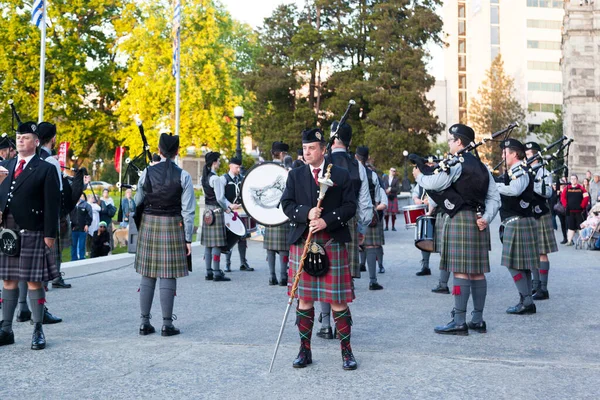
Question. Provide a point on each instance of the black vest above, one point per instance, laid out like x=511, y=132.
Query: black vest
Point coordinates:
x=539, y=203
x=210, y=196
x=346, y=161
x=370, y=173
x=163, y=189
x=519, y=206
x=232, y=190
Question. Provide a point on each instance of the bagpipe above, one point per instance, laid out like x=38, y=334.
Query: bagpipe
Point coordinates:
x=335, y=126
x=527, y=166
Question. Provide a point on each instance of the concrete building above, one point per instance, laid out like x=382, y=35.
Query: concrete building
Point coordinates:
x=581, y=71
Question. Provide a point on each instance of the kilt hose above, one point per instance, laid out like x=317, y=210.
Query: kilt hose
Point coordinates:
x=546, y=238
x=520, y=249
x=336, y=286
x=464, y=248
x=35, y=262
x=438, y=232
x=161, y=251
x=392, y=208
x=352, y=248
x=276, y=237
x=374, y=235
x=214, y=235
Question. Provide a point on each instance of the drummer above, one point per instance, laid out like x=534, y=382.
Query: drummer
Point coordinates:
x=420, y=198
x=232, y=182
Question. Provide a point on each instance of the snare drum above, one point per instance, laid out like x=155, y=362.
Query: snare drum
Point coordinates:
x=235, y=231
x=425, y=233
x=411, y=213
x=249, y=223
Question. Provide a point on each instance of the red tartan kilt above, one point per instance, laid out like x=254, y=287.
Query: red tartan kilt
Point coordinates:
x=392, y=208
x=336, y=286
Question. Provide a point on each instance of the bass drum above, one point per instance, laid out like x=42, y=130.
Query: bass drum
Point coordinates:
x=261, y=192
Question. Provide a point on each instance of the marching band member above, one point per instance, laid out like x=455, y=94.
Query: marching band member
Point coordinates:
x=418, y=195
x=392, y=187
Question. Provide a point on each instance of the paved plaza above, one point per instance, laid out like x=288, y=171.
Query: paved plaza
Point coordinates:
x=229, y=331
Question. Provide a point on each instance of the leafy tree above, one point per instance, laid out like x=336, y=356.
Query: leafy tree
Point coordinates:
x=551, y=129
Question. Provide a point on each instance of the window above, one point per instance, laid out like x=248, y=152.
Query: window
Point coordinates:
x=532, y=3
x=462, y=99
x=545, y=3
x=494, y=15
x=541, y=107
x=461, y=10
x=495, y=35
x=462, y=63
x=544, y=87
x=544, y=24
x=462, y=81
x=494, y=1
x=462, y=28
x=544, y=45
x=543, y=65
x=462, y=46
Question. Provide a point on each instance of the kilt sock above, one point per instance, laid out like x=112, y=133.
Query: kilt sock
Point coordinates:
x=242, y=246
x=324, y=316
x=168, y=287
x=228, y=258
x=23, y=296
x=461, y=292
x=529, y=282
x=38, y=299
x=208, y=260
x=387, y=221
x=444, y=278
x=520, y=278
x=216, y=261
x=362, y=256
x=536, y=277
x=284, y=263
x=10, y=298
x=393, y=221
x=305, y=320
x=379, y=251
x=478, y=292
x=544, y=269
x=425, y=255
x=343, y=324
x=147, y=286
x=372, y=264
x=271, y=262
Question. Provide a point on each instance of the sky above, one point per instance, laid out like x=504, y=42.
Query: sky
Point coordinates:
x=253, y=12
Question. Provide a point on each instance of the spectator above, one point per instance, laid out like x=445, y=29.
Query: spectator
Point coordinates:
x=574, y=198
x=562, y=217
x=93, y=200
x=107, y=212
x=553, y=200
x=595, y=189
x=128, y=207
x=81, y=219
x=100, y=241
x=586, y=186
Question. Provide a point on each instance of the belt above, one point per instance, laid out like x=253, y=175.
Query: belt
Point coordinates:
x=509, y=220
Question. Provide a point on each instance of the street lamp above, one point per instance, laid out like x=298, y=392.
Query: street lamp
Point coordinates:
x=238, y=113
x=405, y=182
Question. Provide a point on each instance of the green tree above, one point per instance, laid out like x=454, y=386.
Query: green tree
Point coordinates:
x=551, y=129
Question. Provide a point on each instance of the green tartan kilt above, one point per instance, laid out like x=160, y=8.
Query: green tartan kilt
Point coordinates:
x=464, y=248
x=352, y=247
x=215, y=234
x=547, y=240
x=374, y=235
x=520, y=249
x=161, y=250
x=438, y=232
x=276, y=237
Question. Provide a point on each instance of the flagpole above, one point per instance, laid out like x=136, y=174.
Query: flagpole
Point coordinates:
x=177, y=81
x=121, y=154
x=42, y=65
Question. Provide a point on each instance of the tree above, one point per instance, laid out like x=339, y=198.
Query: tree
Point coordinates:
x=551, y=129
x=494, y=108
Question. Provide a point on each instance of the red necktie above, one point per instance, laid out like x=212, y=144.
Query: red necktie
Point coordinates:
x=316, y=173
x=19, y=169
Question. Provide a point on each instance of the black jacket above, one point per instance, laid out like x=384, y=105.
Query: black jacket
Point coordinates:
x=301, y=194
x=34, y=197
x=81, y=216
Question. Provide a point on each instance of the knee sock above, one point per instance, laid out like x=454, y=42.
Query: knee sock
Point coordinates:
x=478, y=292
x=363, y=257
x=38, y=299
x=425, y=255
x=387, y=221
x=529, y=282
x=305, y=320
x=284, y=260
x=393, y=221
x=216, y=261
x=343, y=324
x=208, y=260
x=520, y=278
x=379, y=252
x=147, y=286
x=372, y=264
x=461, y=293
x=444, y=277
x=271, y=262
x=242, y=246
x=228, y=259
x=544, y=270
x=536, y=277
x=325, y=313
x=168, y=287
x=10, y=298
x=23, y=296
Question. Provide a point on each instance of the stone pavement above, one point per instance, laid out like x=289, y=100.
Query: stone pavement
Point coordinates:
x=229, y=331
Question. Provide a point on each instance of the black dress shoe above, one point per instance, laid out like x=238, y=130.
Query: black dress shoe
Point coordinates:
x=273, y=281
x=424, y=272
x=6, y=338
x=325, y=333
x=363, y=268
x=521, y=309
x=169, y=331
x=283, y=282
x=394, y=229
x=208, y=277
x=24, y=316
x=304, y=358
x=440, y=289
x=244, y=267
x=227, y=268
x=480, y=327
x=221, y=278
x=375, y=286
x=564, y=241
x=386, y=229
x=452, y=329
x=348, y=361
x=146, y=329
x=59, y=283
x=541, y=294
x=49, y=318
x=38, y=340
x=381, y=270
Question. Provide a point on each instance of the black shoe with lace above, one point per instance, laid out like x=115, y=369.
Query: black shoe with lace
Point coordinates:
x=541, y=294
x=273, y=281
x=375, y=286
x=6, y=338
x=208, y=277
x=245, y=267
x=381, y=269
x=452, y=328
x=59, y=283
x=304, y=358
x=168, y=329
x=38, y=340
x=146, y=328
x=424, y=272
x=325, y=333
x=521, y=309
x=24, y=316
x=283, y=282
x=49, y=318
x=348, y=361
x=440, y=289
x=480, y=327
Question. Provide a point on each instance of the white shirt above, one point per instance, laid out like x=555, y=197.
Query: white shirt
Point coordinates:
x=390, y=179
x=321, y=167
x=27, y=159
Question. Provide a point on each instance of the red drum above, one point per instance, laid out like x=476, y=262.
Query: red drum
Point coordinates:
x=411, y=213
x=249, y=223
x=425, y=233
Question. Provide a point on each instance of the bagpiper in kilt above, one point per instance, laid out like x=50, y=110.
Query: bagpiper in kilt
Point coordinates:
x=374, y=238
x=275, y=240
x=213, y=235
x=165, y=196
x=391, y=185
x=518, y=232
x=30, y=206
x=468, y=196
x=357, y=225
x=542, y=188
x=330, y=226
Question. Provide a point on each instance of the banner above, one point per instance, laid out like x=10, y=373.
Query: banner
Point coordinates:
x=63, y=150
x=119, y=151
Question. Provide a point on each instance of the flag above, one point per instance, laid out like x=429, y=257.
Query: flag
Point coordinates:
x=176, y=28
x=119, y=151
x=37, y=12
x=63, y=150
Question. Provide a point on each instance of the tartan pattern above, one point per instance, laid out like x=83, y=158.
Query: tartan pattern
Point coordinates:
x=36, y=261
x=520, y=249
x=276, y=237
x=215, y=234
x=438, y=232
x=336, y=286
x=374, y=235
x=392, y=208
x=547, y=240
x=161, y=251
x=464, y=248
x=352, y=248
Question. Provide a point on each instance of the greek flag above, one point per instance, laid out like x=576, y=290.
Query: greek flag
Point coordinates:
x=176, y=27
x=37, y=12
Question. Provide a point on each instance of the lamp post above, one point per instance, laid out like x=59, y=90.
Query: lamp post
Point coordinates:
x=238, y=113
x=405, y=182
